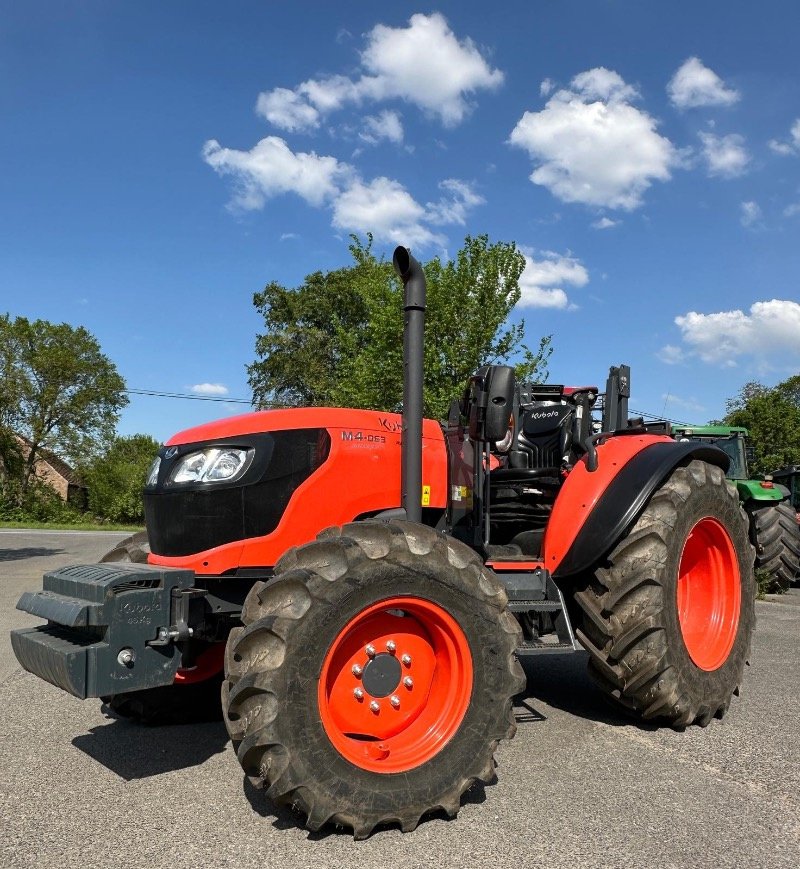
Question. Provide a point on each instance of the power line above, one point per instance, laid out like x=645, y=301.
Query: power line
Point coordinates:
x=159, y=394
x=646, y=413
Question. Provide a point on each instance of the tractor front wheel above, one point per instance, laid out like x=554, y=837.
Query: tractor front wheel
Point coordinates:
x=668, y=620
x=373, y=677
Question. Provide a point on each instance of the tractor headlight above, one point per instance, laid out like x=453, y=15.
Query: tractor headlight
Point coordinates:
x=212, y=465
x=152, y=474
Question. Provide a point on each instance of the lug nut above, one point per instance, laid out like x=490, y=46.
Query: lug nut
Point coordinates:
x=391, y=646
x=375, y=706
x=406, y=659
x=370, y=650
x=395, y=701
x=358, y=694
x=408, y=682
x=357, y=671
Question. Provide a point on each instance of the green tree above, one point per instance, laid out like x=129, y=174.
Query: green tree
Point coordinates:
x=58, y=392
x=116, y=478
x=772, y=416
x=337, y=339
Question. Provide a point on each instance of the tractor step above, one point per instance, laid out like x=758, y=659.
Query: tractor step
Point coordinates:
x=531, y=647
x=107, y=631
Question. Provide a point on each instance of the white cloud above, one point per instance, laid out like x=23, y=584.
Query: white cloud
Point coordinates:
x=424, y=64
x=458, y=199
x=546, y=87
x=792, y=210
x=385, y=208
x=605, y=223
x=769, y=329
x=541, y=279
x=671, y=354
x=209, y=389
x=287, y=109
x=694, y=85
x=592, y=146
x=603, y=84
x=427, y=65
x=387, y=125
x=381, y=206
x=751, y=213
x=790, y=147
x=271, y=168
x=725, y=156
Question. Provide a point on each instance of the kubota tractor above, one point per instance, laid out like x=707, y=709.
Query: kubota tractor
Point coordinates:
x=369, y=674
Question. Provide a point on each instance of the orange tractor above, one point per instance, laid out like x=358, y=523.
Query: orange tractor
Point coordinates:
x=367, y=676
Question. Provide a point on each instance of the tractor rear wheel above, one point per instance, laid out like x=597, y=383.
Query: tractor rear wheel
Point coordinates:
x=668, y=621
x=187, y=701
x=373, y=677
x=776, y=536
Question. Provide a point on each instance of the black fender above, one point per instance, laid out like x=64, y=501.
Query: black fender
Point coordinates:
x=621, y=502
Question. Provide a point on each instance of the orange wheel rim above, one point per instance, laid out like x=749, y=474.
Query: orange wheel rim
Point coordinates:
x=395, y=684
x=709, y=594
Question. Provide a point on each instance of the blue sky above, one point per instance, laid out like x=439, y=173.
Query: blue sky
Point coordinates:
x=163, y=161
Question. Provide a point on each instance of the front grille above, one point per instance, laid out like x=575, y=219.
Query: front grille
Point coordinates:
x=182, y=520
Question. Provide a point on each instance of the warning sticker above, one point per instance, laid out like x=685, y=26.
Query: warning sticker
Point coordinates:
x=426, y=496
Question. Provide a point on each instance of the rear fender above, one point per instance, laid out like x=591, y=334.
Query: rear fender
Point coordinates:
x=594, y=509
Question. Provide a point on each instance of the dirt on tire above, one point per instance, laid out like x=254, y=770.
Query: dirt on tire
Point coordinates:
x=629, y=619
x=271, y=697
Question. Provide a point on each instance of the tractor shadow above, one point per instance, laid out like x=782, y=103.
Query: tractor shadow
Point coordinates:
x=134, y=751
x=27, y=552
x=562, y=682
x=283, y=818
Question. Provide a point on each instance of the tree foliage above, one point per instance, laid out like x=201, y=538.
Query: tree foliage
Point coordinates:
x=116, y=478
x=772, y=416
x=337, y=339
x=57, y=391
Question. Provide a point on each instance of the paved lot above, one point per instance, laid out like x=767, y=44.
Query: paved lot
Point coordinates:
x=579, y=786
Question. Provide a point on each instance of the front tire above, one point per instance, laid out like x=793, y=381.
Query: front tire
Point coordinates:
x=776, y=536
x=373, y=678
x=668, y=621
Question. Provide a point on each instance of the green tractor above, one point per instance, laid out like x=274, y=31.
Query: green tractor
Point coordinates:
x=774, y=529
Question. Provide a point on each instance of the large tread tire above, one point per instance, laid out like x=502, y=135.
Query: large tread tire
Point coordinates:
x=271, y=699
x=133, y=549
x=776, y=536
x=630, y=622
x=169, y=704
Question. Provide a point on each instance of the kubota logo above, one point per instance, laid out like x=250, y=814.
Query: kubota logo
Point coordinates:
x=544, y=414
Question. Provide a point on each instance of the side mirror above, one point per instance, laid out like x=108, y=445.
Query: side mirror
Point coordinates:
x=491, y=402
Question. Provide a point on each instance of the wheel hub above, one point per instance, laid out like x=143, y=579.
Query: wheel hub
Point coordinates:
x=381, y=675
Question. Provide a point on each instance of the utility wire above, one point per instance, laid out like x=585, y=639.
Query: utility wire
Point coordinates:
x=225, y=400
x=190, y=397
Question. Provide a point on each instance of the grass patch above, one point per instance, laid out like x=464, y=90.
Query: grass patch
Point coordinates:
x=72, y=526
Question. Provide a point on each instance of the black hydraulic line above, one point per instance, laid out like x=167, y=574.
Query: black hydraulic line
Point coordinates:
x=413, y=278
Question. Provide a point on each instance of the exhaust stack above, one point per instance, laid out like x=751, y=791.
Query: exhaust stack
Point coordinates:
x=413, y=278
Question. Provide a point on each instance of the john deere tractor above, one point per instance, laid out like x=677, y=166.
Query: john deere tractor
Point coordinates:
x=369, y=673
x=774, y=530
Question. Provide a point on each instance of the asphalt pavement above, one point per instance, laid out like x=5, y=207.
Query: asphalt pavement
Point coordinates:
x=579, y=786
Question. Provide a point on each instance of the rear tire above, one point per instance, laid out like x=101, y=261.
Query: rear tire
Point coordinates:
x=295, y=670
x=776, y=536
x=668, y=621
